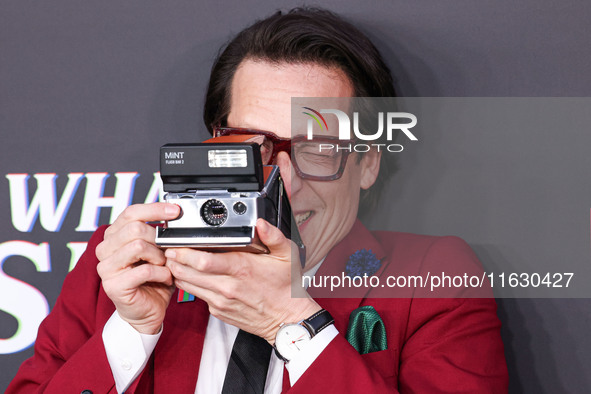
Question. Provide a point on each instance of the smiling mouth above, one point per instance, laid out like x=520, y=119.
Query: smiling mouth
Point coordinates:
x=300, y=218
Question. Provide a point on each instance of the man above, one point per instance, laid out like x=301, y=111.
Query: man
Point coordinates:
x=120, y=330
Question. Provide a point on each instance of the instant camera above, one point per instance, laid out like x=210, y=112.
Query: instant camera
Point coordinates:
x=222, y=188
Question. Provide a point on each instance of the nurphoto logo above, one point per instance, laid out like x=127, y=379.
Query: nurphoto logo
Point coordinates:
x=394, y=122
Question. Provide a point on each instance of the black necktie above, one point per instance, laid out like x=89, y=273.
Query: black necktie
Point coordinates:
x=248, y=365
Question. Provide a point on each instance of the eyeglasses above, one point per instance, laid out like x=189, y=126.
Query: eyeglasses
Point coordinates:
x=322, y=159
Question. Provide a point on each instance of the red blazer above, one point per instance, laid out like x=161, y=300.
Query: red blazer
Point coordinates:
x=434, y=345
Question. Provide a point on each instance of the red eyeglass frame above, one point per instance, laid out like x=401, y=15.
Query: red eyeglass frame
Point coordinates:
x=284, y=145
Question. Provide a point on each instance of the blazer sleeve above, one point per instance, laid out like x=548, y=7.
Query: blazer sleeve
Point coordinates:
x=457, y=350
x=444, y=345
x=69, y=352
x=454, y=344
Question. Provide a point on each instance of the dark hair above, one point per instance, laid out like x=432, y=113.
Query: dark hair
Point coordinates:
x=303, y=35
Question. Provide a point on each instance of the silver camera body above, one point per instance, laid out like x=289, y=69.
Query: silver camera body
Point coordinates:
x=222, y=189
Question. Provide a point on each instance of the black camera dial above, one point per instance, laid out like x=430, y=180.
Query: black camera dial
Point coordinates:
x=239, y=208
x=214, y=212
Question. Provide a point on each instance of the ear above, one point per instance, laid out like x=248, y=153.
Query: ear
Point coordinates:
x=370, y=167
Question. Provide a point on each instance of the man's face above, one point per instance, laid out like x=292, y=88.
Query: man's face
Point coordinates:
x=261, y=99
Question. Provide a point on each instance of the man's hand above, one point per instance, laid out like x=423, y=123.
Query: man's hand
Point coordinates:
x=249, y=291
x=132, y=266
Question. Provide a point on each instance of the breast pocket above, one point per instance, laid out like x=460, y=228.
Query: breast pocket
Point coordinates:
x=385, y=362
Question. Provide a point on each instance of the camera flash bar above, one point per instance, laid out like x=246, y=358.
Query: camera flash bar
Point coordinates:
x=207, y=166
x=227, y=158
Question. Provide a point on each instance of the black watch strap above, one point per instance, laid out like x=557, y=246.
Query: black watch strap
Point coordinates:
x=318, y=322
x=314, y=324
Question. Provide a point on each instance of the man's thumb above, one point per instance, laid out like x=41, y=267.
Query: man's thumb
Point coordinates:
x=272, y=237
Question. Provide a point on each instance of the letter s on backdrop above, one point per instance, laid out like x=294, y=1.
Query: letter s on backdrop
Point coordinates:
x=21, y=300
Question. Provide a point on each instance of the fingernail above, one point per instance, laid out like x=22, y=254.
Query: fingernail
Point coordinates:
x=171, y=209
x=171, y=254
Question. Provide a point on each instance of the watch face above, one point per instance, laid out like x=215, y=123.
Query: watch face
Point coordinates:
x=291, y=339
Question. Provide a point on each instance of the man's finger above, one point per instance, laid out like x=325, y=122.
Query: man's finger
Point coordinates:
x=127, y=234
x=145, y=213
x=137, y=276
x=137, y=250
x=204, y=262
x=220, y=284
x=217, y=303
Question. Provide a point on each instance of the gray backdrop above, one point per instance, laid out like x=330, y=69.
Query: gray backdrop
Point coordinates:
x=97, y=87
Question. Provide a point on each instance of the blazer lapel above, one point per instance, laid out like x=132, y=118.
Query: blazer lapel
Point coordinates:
x=178, y=353
x=334, y=265
x=341, y=300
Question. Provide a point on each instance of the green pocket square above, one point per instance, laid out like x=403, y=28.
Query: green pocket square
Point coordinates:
x=366, y=331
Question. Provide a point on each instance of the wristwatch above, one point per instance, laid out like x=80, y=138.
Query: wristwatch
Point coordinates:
x=292, y=338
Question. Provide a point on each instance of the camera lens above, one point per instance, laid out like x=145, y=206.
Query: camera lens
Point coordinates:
x=214, y=212
x=239, y=208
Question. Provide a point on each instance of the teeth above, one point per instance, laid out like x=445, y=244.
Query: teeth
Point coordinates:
x=302, y=217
